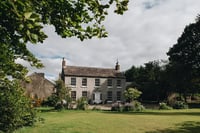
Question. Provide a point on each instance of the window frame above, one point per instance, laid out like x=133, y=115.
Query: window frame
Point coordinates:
x=119, y=83
x=73, y=81
x=73, y=95
x=119, y=95
x=110, y=82
x=84, y=82
x=109, y=95
x=85, y=96
x=97, y=82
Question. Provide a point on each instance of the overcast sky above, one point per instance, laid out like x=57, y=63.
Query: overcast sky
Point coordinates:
x=144, y=33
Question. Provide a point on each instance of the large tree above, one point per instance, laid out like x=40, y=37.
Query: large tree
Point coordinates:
x=184, y=59
x=22, y=22
x=150, y=79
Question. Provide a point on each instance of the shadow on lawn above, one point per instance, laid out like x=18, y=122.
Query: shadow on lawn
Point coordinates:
x=186, y=127
x=162, y=113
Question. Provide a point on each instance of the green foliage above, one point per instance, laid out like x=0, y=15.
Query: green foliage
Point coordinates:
x=164, y=106
x=82, y=104
x=128, y=107
x=15, y=107
x=117, y=107
x=61, y=98
x=50, y=101
x=151, y=79
x=180, y=105
x=137, y=106
x=184, y=60
x=133, y=106
x=149, y=121
x=131, y=94
x=22, y=22
x=95, y=108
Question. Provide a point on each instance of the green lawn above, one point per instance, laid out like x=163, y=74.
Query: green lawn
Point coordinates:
x=149, y=121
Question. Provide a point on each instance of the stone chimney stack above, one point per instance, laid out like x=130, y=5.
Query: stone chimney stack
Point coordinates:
x=117, y=66
x=62, y=75
x=63, y=63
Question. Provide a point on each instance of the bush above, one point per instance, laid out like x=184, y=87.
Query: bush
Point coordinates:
x=82, y=104
x=128, y=107
x=133, y=106
x=50, y=101
x=117, y=107
x=96, y=108
x=164, y=106
x=15, y=107
x=180, y=105
x=137, y=106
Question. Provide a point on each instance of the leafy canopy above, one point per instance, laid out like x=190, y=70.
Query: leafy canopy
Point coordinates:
x=132, y=94
x=22, y=21
x=15, y=108
x=184, y=59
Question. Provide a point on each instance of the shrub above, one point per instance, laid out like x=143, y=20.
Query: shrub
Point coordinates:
x=180, y=105
x=82, y=104
x=95, y=108
x=50, y=101
x=15, y=107
x=132, y=94
x=133, y=106
x=128, y=107
x=137, y=106
x=164, y=106
x=117, y=107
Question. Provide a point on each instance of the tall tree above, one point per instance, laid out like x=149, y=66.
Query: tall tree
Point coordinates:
x=184, y=59
x=62, y=94
x=150, y=79
x=22, y=21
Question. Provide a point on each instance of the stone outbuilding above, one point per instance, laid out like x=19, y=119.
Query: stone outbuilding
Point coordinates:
x=38, y=87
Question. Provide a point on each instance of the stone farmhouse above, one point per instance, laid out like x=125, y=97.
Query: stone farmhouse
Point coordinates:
x=98, y=85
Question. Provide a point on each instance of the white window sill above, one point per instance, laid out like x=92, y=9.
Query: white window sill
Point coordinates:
x=83, y=86
x=96, y=86
x=109, y=101
x=72, y=86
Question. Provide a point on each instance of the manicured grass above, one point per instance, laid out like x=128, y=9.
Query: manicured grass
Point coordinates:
x=149, y=121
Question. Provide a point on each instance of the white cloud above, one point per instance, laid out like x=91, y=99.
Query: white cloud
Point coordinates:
x=142, y=34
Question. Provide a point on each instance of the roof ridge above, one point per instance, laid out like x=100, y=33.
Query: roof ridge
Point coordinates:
x=91, y=67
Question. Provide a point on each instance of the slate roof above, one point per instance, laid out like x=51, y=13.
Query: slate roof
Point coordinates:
x=92, y=72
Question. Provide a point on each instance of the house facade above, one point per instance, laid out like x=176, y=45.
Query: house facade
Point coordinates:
x=98, y=85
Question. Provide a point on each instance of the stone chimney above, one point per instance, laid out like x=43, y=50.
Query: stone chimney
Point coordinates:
x=63, y=63
x=117, y=66
x=62, y=75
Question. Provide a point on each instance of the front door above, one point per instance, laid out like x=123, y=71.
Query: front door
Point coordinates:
x=97, y=97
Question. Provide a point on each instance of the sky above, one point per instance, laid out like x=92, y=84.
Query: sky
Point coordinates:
x=144, y=33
